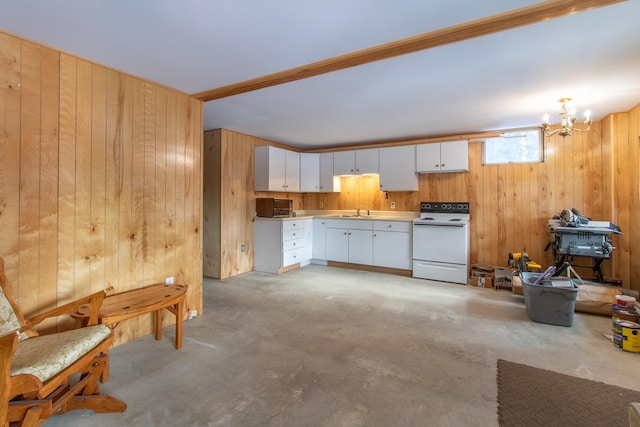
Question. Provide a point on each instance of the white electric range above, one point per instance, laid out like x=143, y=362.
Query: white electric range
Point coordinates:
x=441, y=242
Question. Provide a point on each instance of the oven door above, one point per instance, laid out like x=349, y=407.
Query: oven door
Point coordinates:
x=441, y=242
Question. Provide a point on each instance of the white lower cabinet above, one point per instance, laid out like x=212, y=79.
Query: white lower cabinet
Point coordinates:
x=392, y=244
x=361, y=246
x=280, y=243
x=369, y=242
x=349, y=241
x=337, y=244
x=319, y=251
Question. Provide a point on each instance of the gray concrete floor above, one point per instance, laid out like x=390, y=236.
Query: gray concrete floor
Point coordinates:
x=323, y=346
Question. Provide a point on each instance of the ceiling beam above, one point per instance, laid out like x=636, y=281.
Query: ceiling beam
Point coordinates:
x=504, y=21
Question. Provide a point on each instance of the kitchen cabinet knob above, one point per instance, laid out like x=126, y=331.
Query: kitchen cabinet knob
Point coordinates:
x=294, y=244
x=442, y=165
x=345, y=233
x=389, y=225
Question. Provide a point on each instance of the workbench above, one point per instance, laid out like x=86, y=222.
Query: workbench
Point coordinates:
x=586, y=242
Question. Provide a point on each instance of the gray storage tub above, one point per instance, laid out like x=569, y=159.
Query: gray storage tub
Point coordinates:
x=551, y=302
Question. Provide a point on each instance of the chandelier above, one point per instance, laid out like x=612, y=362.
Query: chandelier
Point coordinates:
x=568, y=120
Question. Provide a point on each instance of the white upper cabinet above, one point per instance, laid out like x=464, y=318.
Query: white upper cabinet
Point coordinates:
x=442, y=157
x=292, y=171
x=328, y=181
x=316, y=173
x=356, y=162
x=309, y=172
x=398, y=168
x=276, y=169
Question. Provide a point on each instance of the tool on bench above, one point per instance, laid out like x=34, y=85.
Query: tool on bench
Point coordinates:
x=521, y=261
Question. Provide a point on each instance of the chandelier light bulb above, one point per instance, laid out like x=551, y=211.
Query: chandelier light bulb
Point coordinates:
x=567, y=122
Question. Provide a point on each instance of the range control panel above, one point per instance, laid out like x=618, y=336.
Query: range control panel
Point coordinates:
x=444, y=207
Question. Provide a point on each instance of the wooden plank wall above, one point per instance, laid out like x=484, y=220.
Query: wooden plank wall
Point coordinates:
x=235, y=199
x=100, y=181
x=594, y=172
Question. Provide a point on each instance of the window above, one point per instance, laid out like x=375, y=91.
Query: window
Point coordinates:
x=517, y=146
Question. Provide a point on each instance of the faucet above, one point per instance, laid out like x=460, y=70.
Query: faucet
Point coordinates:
x=357, y=211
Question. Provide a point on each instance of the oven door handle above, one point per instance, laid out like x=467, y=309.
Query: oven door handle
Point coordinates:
x=417, y=224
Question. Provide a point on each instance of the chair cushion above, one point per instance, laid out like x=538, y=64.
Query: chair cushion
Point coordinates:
x=8, y=319
x=45, y=356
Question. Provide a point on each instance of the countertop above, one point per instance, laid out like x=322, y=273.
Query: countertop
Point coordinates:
x=350, y=214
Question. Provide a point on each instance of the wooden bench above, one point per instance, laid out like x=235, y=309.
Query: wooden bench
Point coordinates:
x=126, y=305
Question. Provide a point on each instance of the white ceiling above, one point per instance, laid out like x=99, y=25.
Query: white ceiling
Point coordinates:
x=500, y=81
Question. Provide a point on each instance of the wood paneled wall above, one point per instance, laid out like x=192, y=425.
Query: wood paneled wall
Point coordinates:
x=100, y=181
x=594, y=172
x=229, y=169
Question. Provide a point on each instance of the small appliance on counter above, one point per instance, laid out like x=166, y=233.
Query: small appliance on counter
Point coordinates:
x=274, y=208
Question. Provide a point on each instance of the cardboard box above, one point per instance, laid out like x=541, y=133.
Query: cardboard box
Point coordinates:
x=482, y=282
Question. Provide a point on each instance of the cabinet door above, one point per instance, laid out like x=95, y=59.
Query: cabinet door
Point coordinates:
x=307, y=252
x=337, y=244
x=328, y=181
x=454, y=156
x=319, y=236
x=398, y=169
x=269, y=169
x=344, y=162
x=392, y=249
x=310, y=172
x=428, y=157
x=292, y=171
x=361, y=247
x=367, y=161
x=267, y=241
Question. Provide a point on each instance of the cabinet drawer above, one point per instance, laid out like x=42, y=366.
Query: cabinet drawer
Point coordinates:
x=288, y=245
x=292, y=225
x=353, y=224
x=296, y=233
x=404, y=226
x=291, y=257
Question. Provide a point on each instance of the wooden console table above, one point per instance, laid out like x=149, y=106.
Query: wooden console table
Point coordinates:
x=126, y=305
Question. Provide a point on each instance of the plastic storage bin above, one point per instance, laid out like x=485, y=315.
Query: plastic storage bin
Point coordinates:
x=547, y=303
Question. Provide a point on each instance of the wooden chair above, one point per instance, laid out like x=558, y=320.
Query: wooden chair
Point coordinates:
x=37, y=372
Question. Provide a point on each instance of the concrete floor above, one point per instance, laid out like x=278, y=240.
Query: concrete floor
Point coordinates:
x=323, y=346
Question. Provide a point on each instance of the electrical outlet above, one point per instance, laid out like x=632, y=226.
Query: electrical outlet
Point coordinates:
x=393, y=205
x=321, y=205
x=168, y=281
x=242, y=248
x=192, y=314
